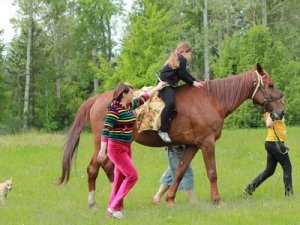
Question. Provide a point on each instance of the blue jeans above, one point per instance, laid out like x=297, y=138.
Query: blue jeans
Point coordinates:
x=174, y=154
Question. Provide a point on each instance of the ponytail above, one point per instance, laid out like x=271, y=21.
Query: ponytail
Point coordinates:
x=120, y=90
x=173, y=60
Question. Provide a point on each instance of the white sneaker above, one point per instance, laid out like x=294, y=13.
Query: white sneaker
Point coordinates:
x=118, y=215
x=164, y=136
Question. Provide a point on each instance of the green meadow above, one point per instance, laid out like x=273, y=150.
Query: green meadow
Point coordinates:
x=33, y=160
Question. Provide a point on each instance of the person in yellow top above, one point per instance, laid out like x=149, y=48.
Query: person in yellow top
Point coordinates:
x=276, y=133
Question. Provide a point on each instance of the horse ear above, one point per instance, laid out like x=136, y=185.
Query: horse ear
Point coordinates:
x=259, y=69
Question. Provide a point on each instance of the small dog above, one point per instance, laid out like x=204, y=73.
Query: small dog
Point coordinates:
x=5, y=187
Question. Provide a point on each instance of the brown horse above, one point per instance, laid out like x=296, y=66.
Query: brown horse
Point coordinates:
x=197, y=124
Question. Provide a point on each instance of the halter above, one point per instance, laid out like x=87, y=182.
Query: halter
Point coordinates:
x=259, y=85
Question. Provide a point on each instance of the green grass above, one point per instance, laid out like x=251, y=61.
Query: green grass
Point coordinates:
x=34, y=161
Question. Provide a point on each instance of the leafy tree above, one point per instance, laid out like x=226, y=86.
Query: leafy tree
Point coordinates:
x=283, y=20
x=2, y=88
x=239, y=54
x=149, y=40
x=226, y=63
x=57, y=50
x=63, y=40
x=94, y=31
x=15, y=64
x=291, y=91
x=72, y=52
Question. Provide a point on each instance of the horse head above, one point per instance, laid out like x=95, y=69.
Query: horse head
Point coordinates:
x=266, y=95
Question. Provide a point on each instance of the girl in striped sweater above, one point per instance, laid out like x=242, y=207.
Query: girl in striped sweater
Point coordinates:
x=117, y=137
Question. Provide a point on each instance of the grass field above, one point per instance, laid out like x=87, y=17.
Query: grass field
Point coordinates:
x=33, y=160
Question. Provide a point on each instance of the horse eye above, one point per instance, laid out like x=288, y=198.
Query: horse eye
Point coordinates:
x=271, y=85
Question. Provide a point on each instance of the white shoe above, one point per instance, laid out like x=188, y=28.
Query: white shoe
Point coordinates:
x=164, y=136
x=118, y=215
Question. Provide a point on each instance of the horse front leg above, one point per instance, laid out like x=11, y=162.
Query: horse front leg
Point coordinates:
x=186, y=159
x=208, y=152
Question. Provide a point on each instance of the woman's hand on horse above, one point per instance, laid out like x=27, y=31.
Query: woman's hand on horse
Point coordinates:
x=198, y=84
x=160, y=85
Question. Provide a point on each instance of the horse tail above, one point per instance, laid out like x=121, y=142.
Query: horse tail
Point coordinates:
x=71, y=145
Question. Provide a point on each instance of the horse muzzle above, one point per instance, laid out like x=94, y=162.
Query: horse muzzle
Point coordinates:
x=277, y=114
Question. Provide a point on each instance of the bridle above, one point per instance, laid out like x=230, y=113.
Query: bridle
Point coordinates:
x=259, y=86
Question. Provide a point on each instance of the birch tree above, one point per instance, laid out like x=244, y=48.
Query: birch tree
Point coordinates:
x=28, y=64
x=264, y=13
x=2, y=90
x=206, y=44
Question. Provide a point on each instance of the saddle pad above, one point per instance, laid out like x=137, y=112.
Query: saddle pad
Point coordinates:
x=148, y=114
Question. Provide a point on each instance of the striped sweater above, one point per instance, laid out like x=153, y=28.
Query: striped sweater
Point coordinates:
x=120, y=120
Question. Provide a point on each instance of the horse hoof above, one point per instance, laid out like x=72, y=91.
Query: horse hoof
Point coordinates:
x=94, y=207
x=170, y=204
x=219, y=203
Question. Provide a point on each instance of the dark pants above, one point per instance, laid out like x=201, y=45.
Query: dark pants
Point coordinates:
x=167, y=94
x=274, y=157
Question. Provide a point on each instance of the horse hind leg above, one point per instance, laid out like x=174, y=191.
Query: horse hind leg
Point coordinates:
x=108, y=168
x=92, y=171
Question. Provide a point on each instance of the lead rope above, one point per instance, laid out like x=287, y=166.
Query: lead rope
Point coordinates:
x=277, y=144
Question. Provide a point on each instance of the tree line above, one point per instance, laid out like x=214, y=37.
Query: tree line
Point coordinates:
x=65, y=51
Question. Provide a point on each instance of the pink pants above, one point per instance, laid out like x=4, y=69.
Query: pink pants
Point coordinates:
x=125, y=174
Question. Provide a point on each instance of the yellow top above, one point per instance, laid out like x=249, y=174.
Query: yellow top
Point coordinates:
x=279, y=127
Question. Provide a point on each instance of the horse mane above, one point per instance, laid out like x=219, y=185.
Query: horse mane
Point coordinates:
x=232, y=90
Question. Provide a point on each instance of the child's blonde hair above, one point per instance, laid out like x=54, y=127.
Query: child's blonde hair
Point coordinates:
x=173, y=61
